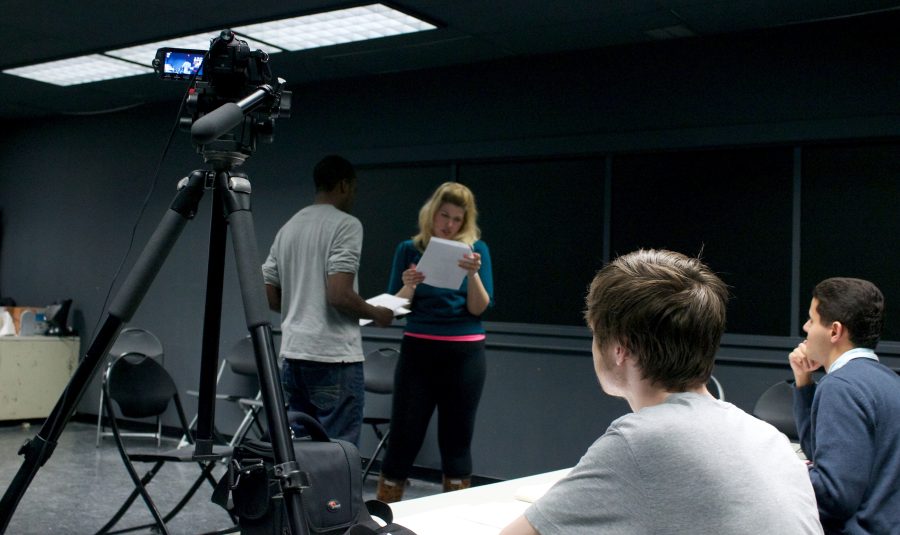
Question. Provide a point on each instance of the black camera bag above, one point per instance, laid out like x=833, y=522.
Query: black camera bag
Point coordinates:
x=332, y=502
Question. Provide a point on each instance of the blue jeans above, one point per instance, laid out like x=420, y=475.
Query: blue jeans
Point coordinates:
x=332, y=393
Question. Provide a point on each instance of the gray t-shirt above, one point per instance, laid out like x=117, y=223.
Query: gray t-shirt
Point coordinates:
x=692, y=464
x=317, y=241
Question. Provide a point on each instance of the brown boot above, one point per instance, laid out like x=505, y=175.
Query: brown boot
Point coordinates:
x=456, y=483
x=390, y=491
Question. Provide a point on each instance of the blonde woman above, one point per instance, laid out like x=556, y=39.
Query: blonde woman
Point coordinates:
x=442, y=362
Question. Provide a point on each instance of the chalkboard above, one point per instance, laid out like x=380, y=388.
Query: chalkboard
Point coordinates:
x=850, y=225
x=732, y=206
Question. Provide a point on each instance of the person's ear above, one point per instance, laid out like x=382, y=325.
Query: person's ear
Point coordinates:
x=837, y=331
x=620, y=353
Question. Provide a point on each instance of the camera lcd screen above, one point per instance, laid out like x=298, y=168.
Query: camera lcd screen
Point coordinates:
x=182, y=64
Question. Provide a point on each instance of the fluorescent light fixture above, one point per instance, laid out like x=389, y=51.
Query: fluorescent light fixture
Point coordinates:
x=82, y=69
x=335, y=27
x=144, y=54
x=297, y=33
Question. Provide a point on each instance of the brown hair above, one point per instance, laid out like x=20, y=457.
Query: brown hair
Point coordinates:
x=856, y=303
x=666, y=308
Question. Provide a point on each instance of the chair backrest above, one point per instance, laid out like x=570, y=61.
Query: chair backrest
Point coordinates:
x=776, y=406
x=241, y=358
x=139, y=385
x=379, y=370
x=715, y=388
x=137, y=340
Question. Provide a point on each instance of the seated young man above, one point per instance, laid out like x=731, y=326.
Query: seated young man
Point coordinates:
x=848, y=421
x=682, y=462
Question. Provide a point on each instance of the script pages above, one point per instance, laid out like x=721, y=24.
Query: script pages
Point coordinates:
x=440, y=263
x=397, y=304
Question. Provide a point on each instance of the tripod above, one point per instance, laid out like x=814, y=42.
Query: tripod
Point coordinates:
x=231, y=207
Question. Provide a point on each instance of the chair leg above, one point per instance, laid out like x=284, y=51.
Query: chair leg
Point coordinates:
x=259, y=428
x=375, y=455
x=100, y=420
x=130, y=500
x=138, y=481
x=205, y=476
x=244, y=427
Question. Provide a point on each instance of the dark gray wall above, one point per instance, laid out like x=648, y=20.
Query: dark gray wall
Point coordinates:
x=72, y=188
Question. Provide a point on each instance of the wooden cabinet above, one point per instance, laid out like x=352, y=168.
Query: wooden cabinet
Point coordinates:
x=34, y=370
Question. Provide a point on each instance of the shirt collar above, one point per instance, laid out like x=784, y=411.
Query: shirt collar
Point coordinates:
x=855, y=353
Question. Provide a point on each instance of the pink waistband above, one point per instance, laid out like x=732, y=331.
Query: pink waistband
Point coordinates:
x=458, y=338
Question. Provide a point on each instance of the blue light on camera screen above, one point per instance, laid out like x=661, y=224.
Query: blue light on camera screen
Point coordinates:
x=183, y=64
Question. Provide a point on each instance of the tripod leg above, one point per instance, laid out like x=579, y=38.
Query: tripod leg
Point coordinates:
x=212, y=327
x=37, y=450
x=236, y=192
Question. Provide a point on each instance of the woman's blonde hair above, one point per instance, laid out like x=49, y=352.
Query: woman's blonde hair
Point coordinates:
x=456, y=194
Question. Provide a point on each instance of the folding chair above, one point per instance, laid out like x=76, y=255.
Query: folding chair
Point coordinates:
x=240, y=360
x=132, y=340
x=379, y=379
x=715, y=388
x=776, y=406
x=141, y=388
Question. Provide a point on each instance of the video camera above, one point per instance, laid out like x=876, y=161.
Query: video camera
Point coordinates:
x=233, y=86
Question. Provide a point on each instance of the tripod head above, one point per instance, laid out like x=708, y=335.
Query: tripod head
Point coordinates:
x=235, y=101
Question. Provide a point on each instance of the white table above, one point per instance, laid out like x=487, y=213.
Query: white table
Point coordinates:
x=483, y=510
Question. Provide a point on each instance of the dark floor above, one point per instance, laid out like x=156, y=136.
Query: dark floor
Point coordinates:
x=81, y=486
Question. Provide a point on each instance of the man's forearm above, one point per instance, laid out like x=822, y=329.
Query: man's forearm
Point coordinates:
x=342, y=296
x=273, y=295
x=350, y=303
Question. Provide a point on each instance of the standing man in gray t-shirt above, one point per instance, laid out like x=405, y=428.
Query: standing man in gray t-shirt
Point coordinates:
x=682, y=462
x=310, y=277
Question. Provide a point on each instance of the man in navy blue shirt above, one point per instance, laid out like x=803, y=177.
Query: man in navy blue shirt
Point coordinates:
x=848, y=422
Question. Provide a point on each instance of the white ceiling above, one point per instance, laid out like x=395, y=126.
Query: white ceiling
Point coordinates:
x=469, y=32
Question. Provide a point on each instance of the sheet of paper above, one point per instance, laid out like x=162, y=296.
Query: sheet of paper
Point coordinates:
x=397, y=304
x=440, y=263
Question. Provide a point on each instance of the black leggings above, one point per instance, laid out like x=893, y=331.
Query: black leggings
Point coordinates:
x=429, y=374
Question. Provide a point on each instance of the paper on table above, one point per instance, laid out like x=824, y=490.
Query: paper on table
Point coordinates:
x=397, y=304
x=440, y=263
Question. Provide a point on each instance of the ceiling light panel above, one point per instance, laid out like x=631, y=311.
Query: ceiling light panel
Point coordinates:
x=145, y=53
x=335, y=27
x=82, y=69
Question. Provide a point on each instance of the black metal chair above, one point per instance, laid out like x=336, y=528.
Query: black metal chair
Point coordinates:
x=776, y=406
x=715, y=388
x=140, y=387
x=240, y=360
x=379, y=379
x=132, y=340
